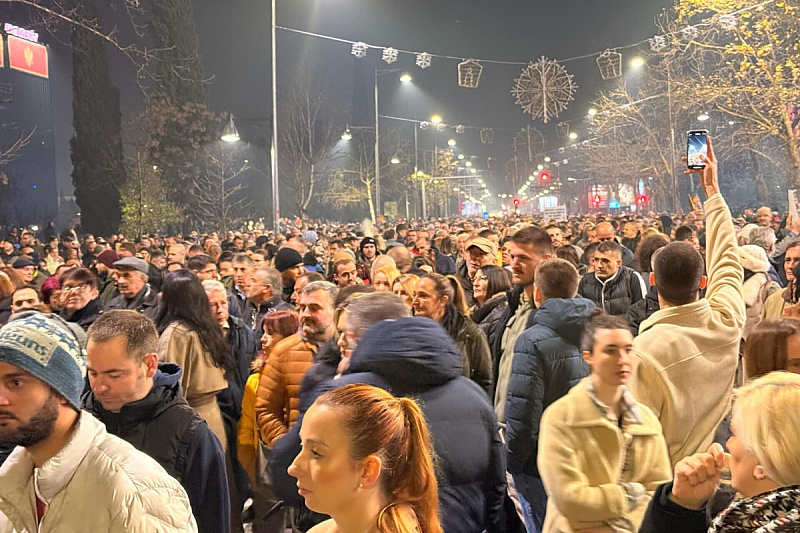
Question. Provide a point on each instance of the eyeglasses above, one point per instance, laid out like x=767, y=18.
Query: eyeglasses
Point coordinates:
x=75, y=288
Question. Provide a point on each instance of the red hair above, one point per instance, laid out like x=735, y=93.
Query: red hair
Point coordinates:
x=284, y=323
x=394, y=429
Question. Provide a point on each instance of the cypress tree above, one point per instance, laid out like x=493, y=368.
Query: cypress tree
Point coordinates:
x=96, y=148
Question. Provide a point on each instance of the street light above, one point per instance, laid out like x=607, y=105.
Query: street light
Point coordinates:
x=461, y=156
x=702, y=117
x=395, y=160
x=451, y=142
x=637, y=62
x=573, y=135
x=406, y=78
x=436, y=119
x=592, y=111
x=346, y=136
x=230, y=134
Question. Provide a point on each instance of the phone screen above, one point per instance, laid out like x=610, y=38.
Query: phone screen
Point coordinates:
x=697, y=146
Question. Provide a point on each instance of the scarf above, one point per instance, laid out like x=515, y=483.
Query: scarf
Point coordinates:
x=777, y=511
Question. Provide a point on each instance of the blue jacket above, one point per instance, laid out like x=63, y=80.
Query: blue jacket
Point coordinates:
x=423, y=362
x=547, y=363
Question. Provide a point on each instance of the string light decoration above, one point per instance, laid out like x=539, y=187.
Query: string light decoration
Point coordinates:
x=389, y=55
x=610, y=64
x=690, y=33
x=528, y=144
x=728, y=22
x=424, y=60
x=460, y=129
x=359, y=50
x=657, y=43
x=544, y=89
x=562, y=130
x=469, y=74
x=487, y=136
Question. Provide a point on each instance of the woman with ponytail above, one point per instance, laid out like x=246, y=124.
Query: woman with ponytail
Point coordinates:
x=367, y=461
x=442, y=299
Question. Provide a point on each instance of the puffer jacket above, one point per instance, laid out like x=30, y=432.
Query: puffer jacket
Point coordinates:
x=472, y=343
x=757, y=284
x=277, y=398
x=641, y=310
x=547, y=364
x=424, y=363
x=97, y=482
x=489, y=315
x=615, y=294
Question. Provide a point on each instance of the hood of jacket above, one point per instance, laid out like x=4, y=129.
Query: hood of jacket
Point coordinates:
x=413, y=350
x=165, y=392
x=753, y=258
x=566, y=316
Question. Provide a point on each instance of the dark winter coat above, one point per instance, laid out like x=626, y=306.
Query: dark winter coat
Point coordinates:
x=5, y=310
x=641, y=310
x=477, y=363
x=163, y=426
x=148, y=304
x=514, y=297
x=85, y=316
x=253, y=314
x=488, y=315
x=423, y=362
x=616, y=294
x=326, y=361
x=548, y=362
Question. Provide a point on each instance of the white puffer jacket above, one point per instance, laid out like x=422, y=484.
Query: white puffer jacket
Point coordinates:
x=96, y=483
x=758, y=286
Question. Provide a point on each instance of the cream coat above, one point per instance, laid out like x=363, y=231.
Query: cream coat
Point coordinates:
x=581, y=463
x=97, y=482
x=687, y=356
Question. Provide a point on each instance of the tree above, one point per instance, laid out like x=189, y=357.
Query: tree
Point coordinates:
x=744, y=66
x=219, y=200
x=96, y=148
x=145, y=207
x=309, y=133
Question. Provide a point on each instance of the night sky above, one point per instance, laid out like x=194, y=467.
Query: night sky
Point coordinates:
x=235, y=40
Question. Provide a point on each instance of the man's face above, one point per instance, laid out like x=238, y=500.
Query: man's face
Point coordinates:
x=423, y=246
x=790, y=261
x=26, y=273
x=258, y=260
x=556, y=236
x=461, y=242
x=606, y=264
x=764, y=217
x=411, y=236
x=610, y=357
x=369, y=251
x=91, y=244
x=604, y=232
x=209, y=272
x=477, y=258
x=301, y=282
x=524, y=260
x=24, y=300
x=238, y=242
x=346, y=274
x=334, y=248
x=241, y=274
x=25, y=239
x=592, y=235
x=257, y=291
x=159, y=262
x=225, y=269
x=629, y=231
x=129, y=282
x=115, y=378
x=316, y=315
x=176, y=254
x=28, y=407
x=291, y=275
x=346, y=341
x=218, y=301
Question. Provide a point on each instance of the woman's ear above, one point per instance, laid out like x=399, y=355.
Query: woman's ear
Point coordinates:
x=370, y=471
x=759, y=473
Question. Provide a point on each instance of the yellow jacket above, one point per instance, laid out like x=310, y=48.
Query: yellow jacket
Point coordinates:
x=247, y=430
x=687, y=356
x=580, y=460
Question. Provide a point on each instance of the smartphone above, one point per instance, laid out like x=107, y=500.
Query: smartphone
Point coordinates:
x=697, y=145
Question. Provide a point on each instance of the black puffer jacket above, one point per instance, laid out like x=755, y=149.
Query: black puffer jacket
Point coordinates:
x=616, y=294
x=488, y=316
x=514, y=297
x=547, y=364
x=423, y=362
x=641, y=310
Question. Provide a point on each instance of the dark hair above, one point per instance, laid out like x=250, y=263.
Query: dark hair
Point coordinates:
x=646, y=249
x=567, y=252
x=535, y=236
x=448, y=286
x=766, y=348
x=600, y=320
x=84, y=276
x=225, y=257
x=487, y=233
x=497, y=280
x=683, y=233
x=557, y=278
x=184, y=300
x=609, y=246
x=588, y=252
x=346, y=292
x=678, y=270
x=337, y=242
x=446, y=246
x=139, y=332
x=389, y=234
x=199, y=262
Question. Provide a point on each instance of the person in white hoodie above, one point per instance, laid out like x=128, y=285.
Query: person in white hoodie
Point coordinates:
x=67, y=473
x=757, y=284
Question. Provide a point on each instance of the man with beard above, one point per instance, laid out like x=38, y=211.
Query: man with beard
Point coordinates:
x=277, y=402
x=134, y=292
x=66, y=468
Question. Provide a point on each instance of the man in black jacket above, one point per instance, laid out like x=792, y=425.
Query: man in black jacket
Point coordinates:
x=612, y=286
x=140, y=401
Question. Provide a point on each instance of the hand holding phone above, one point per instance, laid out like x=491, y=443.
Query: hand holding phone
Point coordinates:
x=708, y=172
x=696, y=146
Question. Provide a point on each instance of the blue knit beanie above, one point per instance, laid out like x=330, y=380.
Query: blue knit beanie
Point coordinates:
x=47, y=347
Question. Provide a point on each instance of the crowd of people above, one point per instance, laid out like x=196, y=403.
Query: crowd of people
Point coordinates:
x=602, y=374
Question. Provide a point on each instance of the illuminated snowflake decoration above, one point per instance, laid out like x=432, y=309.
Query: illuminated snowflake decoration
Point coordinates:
x=389, y=55
x=544, y=89
x=360, y=50
x=690, y=33
x=728, y=22
x=424, y=125
x=460, y=129
x=561, y=150
x=441, y=127
x=424, y=60
x=657, y=43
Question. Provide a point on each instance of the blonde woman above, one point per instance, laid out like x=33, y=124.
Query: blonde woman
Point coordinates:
x=384, y=277
x=404, y=286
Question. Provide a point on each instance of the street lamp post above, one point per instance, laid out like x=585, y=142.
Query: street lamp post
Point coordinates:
x=276, y=204
x=379, y=205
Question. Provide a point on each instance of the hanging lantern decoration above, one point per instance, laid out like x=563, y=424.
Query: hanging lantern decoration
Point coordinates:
x=360, y=50
x=610, y=64
x=469, y=73
x=562, y=130
x=424, y=60
x=389, y=55
x=487, y=136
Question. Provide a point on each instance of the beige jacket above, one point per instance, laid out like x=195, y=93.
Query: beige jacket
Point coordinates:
x=97, y=482
x=581, y=463
x=774, y=305
x=201, y=380
x=687, y=356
